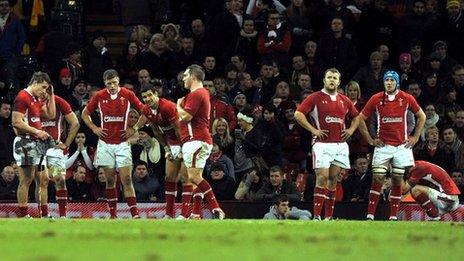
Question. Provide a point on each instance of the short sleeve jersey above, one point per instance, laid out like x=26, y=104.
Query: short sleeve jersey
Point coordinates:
x=432, y=174
x=328, y=112
x=196, y=103
x=30, y=106
x=114, y=111
x=391, y=113
x=54, y=127
x=165, y=117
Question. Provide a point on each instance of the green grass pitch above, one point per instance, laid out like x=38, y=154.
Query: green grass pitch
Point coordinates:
x=68, y=239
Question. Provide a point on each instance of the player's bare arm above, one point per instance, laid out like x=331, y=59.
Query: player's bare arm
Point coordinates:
x=419, y=126
x=49, y=109
x=347, y=133
x=303, y=121
x=101, y=133
x=159, y=136
x=74, y=125
x=21, y=127
x=361, y=118
x=183, y=115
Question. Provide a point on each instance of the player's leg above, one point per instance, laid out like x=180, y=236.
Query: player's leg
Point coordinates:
x=402, y=158
x=41, y=190
x=123, y=156
x=59, y=174
x=26, y=175
x=172, y=175
x=380, y=163
x=111, y=193
x=187, y=192
x=334, y=172
x=195, y=156
x=422, y=195
x=197, y=200
x=321, y=161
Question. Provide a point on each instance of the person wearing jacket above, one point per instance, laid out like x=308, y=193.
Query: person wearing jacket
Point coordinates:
x=277, y=186
x=282, y=210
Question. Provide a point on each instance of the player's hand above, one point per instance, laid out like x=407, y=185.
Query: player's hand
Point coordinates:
x=377, y=143
x=50, y=90
x=128, y=133
x=61, y=146
x=168, y=155
x=347, y=133
x=411, y=141
x=180, y=101
x=42, y=135
x=101, y=133
x=321, y=134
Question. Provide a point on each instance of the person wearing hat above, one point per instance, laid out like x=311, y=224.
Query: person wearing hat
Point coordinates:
x=223, y=186
x=393, y=147
x=96, y=59
x=329, y=111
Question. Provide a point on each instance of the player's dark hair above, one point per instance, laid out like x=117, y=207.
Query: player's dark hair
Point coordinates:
x=197, y=72
x=40, y=77
x=147, y=87
x=110, y=74
x=276, y=168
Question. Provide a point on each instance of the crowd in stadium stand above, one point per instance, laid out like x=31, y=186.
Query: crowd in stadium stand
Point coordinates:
x=261, y=59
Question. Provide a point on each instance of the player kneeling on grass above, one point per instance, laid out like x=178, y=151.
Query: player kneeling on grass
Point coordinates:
x=441, y=199
x=282, y=210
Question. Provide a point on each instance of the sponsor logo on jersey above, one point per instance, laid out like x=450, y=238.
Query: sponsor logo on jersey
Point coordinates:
x=392, y=119
x=332, y=119
x=113, y=119
x=35, y=119
x=48, y=124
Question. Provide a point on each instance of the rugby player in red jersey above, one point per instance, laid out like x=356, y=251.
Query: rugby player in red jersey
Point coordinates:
x=162, y=114
x=392, y=143
x=56, y=157
x=194, y=112
x=432, y=187
x=113, y=150
x=28, y=108
x=328, y=111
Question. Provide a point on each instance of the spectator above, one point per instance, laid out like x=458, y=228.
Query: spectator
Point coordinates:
x=277, y=185
x=245, y=86
x=247, y=145
x=434, y=150
x=415, y=90
x=187, y=54
x=65, y=81
x=454, y=144
x=128, y=63
x=158, y=60
x=220, y=108
x=141, y=35
x=357, y=185
x=369, y=77
x=147, y=149
x=247, y=42
x=303, y=83
x=222, y=137
x=275, y=41
x=281, y=210
x=272, y=136
x=441, y=48
x=172, y=36
x=314, y=64
x=251, y=182
x=432, y=119
x=79, y=96
x=458, y=178
x=199, y=36
x=8, y=184
x=96, y=59
x=7, y=134
x=78, y=188
x=223, y=186
x=80, y=154
x=209, y=65
x=336, y=50
x=147, y=187
x=297, y=142
x=98, y=188
x=430, y=89
x=459, y=124
x=300, y=24
x=217, y=156
x=356, y=142
x=12, y=39
x=448, y=106
x=72, y=61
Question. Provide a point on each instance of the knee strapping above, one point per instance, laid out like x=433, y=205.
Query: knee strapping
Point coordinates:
x=398, y=171
x=379, y=170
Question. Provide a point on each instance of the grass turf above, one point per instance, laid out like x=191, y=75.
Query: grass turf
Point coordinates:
x=34, y=239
